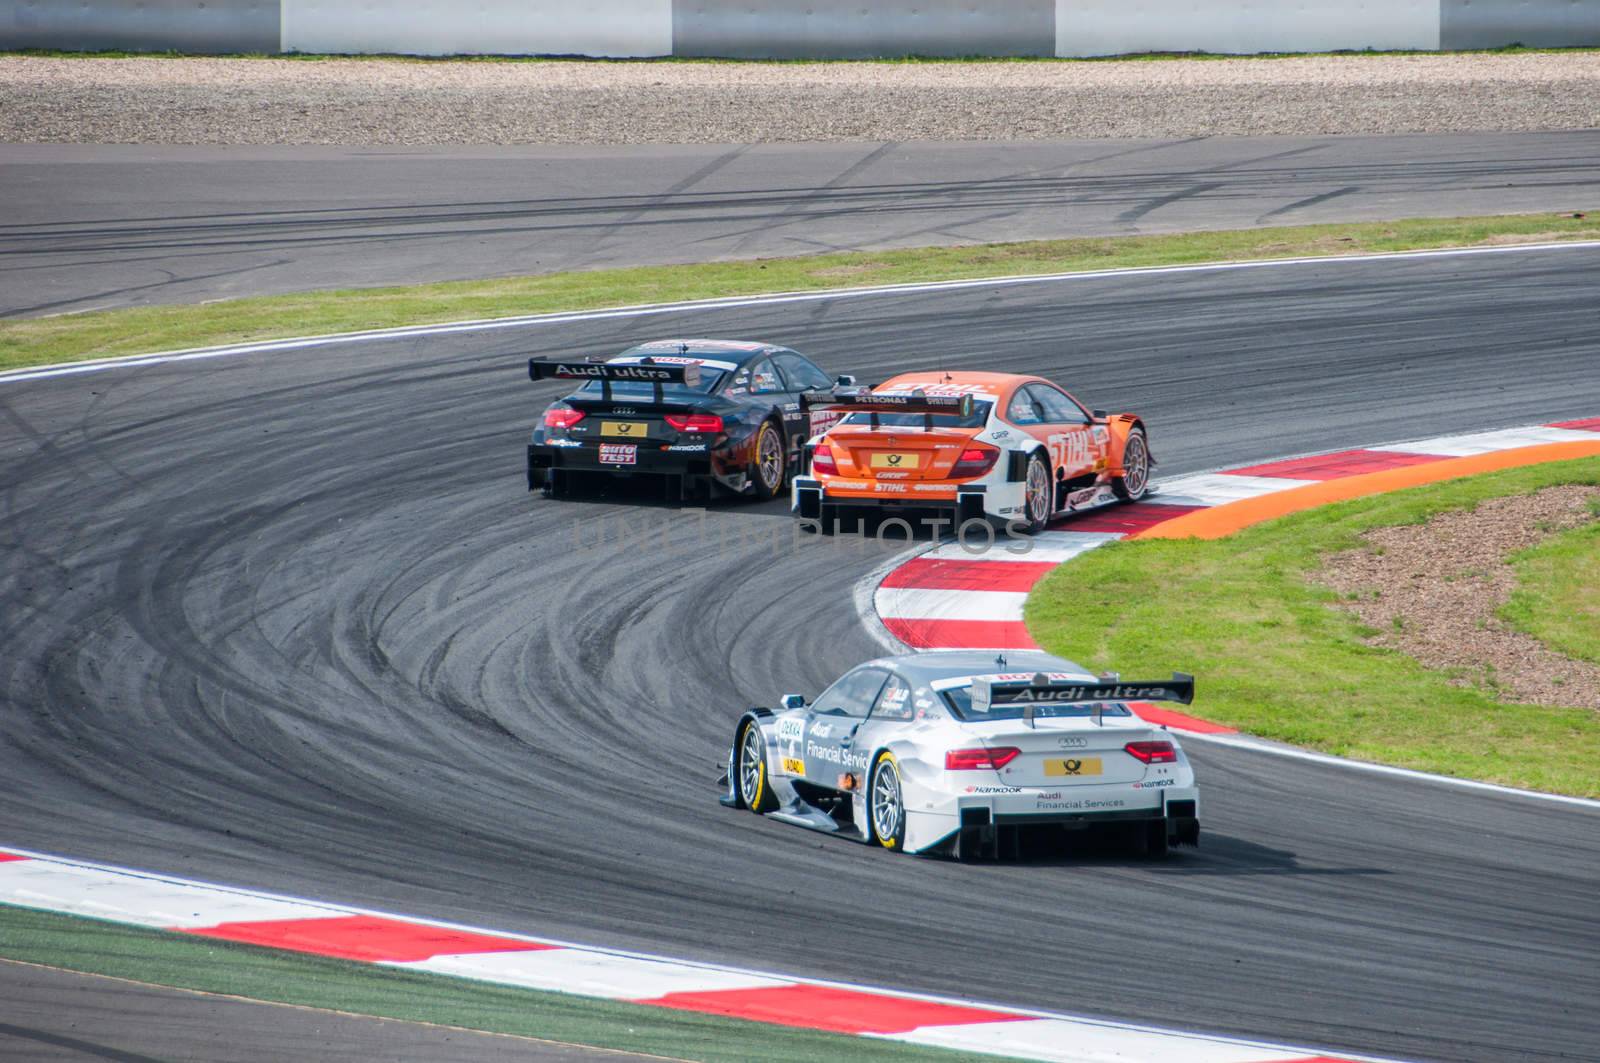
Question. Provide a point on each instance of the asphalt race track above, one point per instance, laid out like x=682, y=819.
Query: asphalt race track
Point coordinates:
x=290, y=622
x=88, y=227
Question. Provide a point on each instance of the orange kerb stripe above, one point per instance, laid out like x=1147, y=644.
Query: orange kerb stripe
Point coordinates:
x=1220, y=521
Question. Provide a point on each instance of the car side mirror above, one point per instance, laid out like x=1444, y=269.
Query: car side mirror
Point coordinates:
x=845, y=380
x=793, y=701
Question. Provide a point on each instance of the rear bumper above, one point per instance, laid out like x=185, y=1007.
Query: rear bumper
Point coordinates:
x=1068, y=808
x=651, y=459
x=965, y=501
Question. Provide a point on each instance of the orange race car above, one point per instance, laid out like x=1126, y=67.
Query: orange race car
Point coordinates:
x=1015, y=450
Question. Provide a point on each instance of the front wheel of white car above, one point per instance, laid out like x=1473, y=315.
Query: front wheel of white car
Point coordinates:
x=750, y=763
x=886, y=805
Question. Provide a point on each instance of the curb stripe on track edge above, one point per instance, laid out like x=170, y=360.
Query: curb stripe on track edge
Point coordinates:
x=1201, y=505
x=34, y=880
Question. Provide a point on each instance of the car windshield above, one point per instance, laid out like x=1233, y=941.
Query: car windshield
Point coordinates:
x=637, y=390
x=960, y=701
x=976, y=419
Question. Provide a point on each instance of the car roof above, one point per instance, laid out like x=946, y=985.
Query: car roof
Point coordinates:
x=736, y=351
x=952, y=664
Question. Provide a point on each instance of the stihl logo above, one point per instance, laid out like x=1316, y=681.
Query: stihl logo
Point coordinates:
x=1070, y=450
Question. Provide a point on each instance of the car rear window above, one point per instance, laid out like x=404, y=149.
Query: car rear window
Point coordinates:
x=960, y=701
x=976, y=419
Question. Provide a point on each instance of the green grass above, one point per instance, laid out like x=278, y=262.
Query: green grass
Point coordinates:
x=70, y=337
x=1557, y=599
x=169, y=959
x=1275, y=658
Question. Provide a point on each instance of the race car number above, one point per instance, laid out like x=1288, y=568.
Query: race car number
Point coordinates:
x=895, y=460
x=619, y=454
x=628, y=429
x=1073, y=766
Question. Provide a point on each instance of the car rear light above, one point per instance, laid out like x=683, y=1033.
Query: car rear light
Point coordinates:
x=562, y=417
x=975, y=461
x=974, y=759
x=1152, y=752
x=822, y=461
x=708, y=423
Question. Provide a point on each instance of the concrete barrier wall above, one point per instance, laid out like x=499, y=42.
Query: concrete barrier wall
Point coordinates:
x=791, y=29
x=1121, y=27
x=1536, y=23
x=197, y=26
x=482, y=27
x=855, y=29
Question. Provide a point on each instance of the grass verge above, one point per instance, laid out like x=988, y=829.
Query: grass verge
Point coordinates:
x=168, y=959
x=1557, y=599
x=71, y=337
x=1274, y=657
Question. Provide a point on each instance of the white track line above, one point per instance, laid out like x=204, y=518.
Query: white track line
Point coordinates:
x=1240, y=741
x=736, y=302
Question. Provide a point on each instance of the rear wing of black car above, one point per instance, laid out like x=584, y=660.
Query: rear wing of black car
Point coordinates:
x=641, y=372
x=1042, y=690
x=860, y=400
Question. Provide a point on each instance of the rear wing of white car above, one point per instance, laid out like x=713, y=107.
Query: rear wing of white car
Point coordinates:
x=1042, y=689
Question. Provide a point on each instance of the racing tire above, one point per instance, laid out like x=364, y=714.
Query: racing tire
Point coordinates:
x=1134, y=483
x=751, y=785
x=886, y=804
x=1151, y=841
x=770, y=471
x=835, y=518
x=1038, y=497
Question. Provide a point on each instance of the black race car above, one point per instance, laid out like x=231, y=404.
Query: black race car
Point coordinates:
x=693, y=412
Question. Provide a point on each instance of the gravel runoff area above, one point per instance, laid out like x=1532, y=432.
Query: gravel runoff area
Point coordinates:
x=372, y=101
x=1431, y=591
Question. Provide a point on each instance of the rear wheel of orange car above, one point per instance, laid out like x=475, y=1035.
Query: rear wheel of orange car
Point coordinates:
x=1134, y=482
x=1038, y=497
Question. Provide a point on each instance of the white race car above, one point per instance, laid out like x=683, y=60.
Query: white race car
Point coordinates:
x=964, y=753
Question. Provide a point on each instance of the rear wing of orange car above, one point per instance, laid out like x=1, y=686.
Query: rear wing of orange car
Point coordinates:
x=874, y=403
